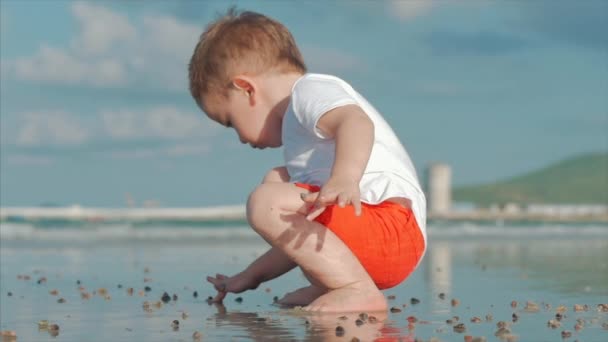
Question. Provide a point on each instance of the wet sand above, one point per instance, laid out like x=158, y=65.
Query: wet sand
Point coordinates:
x=465, y=290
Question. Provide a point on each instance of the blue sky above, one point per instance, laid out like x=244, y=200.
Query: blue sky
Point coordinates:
x=94, y=101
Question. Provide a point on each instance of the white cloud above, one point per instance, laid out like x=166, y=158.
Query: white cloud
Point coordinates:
x=109, y=50
x=56, y=65
x=51, y=127
x=407, y=9
x=159, y=122
x=100, y=28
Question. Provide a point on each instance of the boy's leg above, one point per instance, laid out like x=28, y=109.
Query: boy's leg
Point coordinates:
x=277, y=212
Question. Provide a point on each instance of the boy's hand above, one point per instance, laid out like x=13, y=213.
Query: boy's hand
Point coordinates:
x=342, y=192
x=235, y=284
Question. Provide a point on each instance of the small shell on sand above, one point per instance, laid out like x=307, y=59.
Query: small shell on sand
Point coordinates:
x=102, y=291
x=502, y=324
x=130, y=291
x=43, y=324
x=489, y=318
x=513, y=304
x=566, y=334
x=553, y=324
x=561, y=309
x=372, y=319
x=602, y=307
x=363, y=316
x=53, y=292
x=197, y=336
x=54, y=327
x=475, y=320
x=455, y=302
x=531, y=307
x=579, y=307
x=412, y=319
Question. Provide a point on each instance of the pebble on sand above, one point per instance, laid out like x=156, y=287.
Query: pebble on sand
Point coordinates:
x=130, y=291
x=10, y=294
x=566, y=334
x=175, y=324
x=489, y=318
x=441, y=295
x=165, y=298
x=174, y=297
x=414, y=301
x=148, y=288
x=501, y=332
x=602, y=307
x=391, y=297
x=395, y=309
x=514, y=317
x=61, y=300
x=412, y=319
x=42, y=280
x=455, y=302
x=359, y=322
x=372, y=319
x=54, y=327
x=363, y=316
x=238, y=299
x=8, y=335
x=475, y=320
x=460, y=328
x=561, y=309
x=197, y=336
x=339, y=331
x=184, y=315
x=195, y=294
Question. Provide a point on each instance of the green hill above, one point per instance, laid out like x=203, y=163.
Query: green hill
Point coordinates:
x=583, y=179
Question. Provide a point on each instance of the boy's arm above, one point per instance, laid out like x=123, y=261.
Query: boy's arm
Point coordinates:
x=353, y=132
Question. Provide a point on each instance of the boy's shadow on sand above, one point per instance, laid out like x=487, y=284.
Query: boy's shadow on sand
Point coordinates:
x=300, y=234
x=284, y=325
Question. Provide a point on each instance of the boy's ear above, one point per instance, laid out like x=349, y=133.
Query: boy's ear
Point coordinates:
x=246, y=84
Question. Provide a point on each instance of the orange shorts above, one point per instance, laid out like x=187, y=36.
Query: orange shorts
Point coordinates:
x=385, y=238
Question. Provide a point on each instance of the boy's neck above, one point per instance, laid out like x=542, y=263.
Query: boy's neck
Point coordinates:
x=281, y=85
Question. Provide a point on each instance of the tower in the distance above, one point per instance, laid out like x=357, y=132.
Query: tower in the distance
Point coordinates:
x=439, y=188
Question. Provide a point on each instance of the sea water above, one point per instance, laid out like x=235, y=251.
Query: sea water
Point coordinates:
x=486, y=270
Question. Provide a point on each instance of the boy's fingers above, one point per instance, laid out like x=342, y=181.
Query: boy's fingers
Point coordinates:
x=357, y=205
x=313, y=215
x=309, y=197
x=219, y=298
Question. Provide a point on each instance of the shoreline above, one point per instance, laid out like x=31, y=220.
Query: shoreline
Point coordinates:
x=237, y=213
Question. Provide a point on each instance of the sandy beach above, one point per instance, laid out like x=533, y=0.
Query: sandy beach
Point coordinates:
x=469, y=288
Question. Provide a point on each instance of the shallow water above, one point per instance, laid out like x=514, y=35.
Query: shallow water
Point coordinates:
x=485, y=273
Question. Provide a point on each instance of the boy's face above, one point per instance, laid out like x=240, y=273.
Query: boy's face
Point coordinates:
x=252, y=120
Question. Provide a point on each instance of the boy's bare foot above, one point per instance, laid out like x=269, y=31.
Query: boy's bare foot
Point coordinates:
x=302, y=296
x=350, y=299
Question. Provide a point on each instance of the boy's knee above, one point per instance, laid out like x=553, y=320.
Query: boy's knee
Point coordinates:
x=260, y=205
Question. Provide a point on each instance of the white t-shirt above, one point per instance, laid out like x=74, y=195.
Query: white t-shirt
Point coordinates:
x=309, y=156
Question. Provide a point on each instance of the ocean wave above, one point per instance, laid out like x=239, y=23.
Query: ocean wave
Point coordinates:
x=28, y=231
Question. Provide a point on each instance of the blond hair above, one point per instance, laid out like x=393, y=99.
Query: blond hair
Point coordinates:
x=240, y=42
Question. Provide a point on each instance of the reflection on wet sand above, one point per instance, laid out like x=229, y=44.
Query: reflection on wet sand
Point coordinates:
x=318, y=327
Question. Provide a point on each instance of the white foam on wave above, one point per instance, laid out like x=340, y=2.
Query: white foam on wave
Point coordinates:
x=121, y=232
x=129, y=232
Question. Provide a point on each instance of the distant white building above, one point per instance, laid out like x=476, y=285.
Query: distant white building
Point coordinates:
x=439, y=188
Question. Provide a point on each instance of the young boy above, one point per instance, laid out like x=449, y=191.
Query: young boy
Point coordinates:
x=346, y=207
